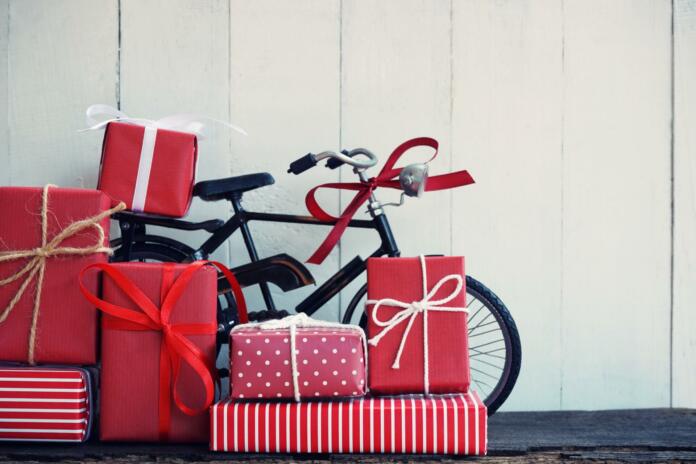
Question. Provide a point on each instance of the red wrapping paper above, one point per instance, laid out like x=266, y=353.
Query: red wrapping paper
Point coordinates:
x=172, y=171
x=67, y=324
x=330, y=363
x=131, y=367
x=440, y=424
x=448, y=360
x=44, y=404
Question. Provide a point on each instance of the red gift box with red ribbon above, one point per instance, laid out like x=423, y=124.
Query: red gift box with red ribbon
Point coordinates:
x=45, y=404
x=46, y=237
x=438, y=424
x=158, y=349
x=150, y=169
x=417, y=325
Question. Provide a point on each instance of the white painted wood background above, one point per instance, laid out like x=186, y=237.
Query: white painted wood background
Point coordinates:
x=577, y=118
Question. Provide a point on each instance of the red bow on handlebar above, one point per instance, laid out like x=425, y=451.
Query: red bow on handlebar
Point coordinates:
x=387, y=177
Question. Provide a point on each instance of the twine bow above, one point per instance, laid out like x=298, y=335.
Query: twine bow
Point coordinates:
x=411, y=311
x=291, y=323
x=36, y=266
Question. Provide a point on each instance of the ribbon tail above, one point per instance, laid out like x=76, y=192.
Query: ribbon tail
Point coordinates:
x=448, y=181
x=337, y=231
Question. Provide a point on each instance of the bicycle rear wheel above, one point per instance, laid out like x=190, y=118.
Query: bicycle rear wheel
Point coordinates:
x=495, y=351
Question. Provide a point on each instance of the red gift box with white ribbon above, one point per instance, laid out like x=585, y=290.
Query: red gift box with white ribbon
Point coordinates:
x=437, y=424
x=157, y=348
x=297, y=357
x=46, y=237
x=45, y=404
x=150, y=169
x=417, y=325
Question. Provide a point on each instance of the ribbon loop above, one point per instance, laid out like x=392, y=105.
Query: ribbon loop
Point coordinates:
x=36, y=266
x=411, y=311
x=175, y=346
x=99, y=116
x=388, y=178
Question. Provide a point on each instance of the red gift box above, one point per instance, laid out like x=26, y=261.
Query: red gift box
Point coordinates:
x=158, y=349
x=45, y=404
x=43, y=317
x=416, y=325
x=151, y=170
x=441, y=424
x=329, y=359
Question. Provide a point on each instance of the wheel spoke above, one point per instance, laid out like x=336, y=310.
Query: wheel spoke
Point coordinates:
x=487, y=363
x=486, y=344
x=471, y=318
x=494, y=321
x=484, y=333
x=481, y=322
x=476, y=381
x=483, y=373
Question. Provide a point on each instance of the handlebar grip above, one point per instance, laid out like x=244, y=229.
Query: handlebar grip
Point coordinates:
x=334, y=163
x=300, y=165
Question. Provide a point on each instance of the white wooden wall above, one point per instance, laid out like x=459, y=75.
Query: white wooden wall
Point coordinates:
x=577, y=118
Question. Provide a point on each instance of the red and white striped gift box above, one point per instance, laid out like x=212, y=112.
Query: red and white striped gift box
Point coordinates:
x=44, y=404
x=438, y=424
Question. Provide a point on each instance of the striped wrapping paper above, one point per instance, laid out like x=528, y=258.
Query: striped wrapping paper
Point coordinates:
x=437, y=424
x=44, y=404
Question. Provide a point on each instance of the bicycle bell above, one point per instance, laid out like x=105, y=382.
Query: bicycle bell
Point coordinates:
x=413, y=178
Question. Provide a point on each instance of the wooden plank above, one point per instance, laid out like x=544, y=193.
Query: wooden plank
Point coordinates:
x=507, y=132
x=175, y=59
x=62, y=58
x=285, y=92
x=616, y=204
x=396, y=86
x=684, y=337
x=4, y=98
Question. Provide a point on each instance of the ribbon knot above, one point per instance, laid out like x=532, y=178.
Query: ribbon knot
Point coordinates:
x=36, y=266
x=291, y=323
x=387, y=177
x=411, y=310
x=175, y=347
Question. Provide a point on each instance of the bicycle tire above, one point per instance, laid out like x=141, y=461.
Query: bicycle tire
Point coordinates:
x=513, y=358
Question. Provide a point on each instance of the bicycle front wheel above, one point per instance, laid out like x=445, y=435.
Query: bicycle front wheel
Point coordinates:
x=495, y=351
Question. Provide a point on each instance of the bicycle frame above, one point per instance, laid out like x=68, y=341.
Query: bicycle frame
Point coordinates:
x=241, y=219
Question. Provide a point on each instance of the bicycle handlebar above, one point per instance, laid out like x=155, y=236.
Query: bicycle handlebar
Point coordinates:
x=335, y=160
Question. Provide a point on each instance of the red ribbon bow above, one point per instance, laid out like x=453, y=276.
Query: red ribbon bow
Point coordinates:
x=175, y=347
x=387, y=177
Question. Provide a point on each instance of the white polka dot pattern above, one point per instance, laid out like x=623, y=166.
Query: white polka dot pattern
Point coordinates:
x=329, y=362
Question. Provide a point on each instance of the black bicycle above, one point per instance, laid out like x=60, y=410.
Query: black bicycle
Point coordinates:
x=494, y=343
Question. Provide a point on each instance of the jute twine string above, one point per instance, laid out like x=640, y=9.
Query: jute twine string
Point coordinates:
x=36, y=265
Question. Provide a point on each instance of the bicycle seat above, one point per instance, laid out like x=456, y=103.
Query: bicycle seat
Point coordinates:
x=221, y=189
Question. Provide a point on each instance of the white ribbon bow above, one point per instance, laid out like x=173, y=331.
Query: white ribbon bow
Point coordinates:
x=292, y=323
x=98, y=116
x=411, y=310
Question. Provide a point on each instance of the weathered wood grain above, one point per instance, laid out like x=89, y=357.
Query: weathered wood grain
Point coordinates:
x=4, y=98
x=395, y=85
x=284, y=79
x=683, y=333
x=616, y=204
x=507, y=119
x=62, y=58
x=174, y=59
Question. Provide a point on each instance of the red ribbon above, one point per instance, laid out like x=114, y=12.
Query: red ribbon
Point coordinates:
x=175, y=347
x=387, y=177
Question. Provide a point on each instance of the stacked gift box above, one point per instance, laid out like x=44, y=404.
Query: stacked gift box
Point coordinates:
x=297, y=385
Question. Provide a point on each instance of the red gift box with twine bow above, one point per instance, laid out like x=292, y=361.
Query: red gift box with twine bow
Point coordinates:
x=158, y=349
x=417, y=325
x=46, y=237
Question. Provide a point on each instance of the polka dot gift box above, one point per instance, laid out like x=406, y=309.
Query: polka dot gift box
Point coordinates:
x=297, y=357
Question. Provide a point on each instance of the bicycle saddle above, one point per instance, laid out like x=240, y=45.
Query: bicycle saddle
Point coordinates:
x=220, y=189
